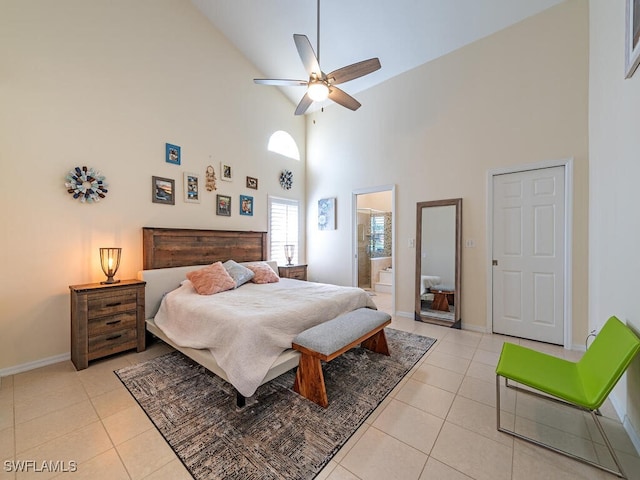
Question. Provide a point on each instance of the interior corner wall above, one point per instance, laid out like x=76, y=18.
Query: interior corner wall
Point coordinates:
x=516, y=97
x=614, y=143
x=106, y=83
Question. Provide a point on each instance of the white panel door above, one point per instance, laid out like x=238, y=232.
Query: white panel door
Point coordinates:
x=528, y=254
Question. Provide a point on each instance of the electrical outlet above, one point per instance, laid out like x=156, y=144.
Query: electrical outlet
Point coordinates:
x=470, y=243
x=412, y=243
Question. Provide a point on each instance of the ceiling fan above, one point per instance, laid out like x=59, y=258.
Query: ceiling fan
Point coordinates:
x=320, y=85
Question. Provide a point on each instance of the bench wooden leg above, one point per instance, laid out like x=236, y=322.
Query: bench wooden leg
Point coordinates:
x=377, y=343
x=310, y=380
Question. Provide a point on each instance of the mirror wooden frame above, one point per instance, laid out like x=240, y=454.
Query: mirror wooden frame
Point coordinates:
x=457, y=296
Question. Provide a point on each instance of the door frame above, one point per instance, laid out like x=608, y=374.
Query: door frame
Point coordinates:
x=354, y=233
x=568, y=238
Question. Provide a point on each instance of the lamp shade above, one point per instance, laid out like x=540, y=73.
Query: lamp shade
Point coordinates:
x=288, y=253
x=110, y=261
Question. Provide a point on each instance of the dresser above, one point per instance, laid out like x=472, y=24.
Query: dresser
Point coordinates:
x=106, y=319
x=299, y=272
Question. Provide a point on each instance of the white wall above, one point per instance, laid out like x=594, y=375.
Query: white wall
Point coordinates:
x=614, y=143
x=516, y=97
x=106, y=84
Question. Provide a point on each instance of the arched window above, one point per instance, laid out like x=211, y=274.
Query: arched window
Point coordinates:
x=284, y=144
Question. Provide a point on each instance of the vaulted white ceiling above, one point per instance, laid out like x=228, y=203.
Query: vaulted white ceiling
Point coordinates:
x=403, y=34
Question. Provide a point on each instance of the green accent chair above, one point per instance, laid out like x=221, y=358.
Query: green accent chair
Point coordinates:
x=584, y=385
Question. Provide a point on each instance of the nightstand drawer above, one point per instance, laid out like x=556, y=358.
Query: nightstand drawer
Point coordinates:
x=112, y=342
x=104, y=325
x=109, y=303
x=299, y=273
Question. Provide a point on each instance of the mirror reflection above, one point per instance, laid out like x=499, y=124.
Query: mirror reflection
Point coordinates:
x=438, y=253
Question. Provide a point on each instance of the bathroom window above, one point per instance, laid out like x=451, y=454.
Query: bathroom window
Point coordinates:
x=380, y=234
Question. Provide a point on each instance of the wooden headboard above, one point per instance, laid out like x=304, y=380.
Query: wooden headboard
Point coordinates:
x=177, y=247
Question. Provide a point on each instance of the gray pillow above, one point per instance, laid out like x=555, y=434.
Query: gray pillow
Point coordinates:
x=239, y=273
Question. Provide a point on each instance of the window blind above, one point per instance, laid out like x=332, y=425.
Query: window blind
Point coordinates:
x=283, y=228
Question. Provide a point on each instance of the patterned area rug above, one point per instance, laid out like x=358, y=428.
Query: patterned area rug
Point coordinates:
x=279, y=435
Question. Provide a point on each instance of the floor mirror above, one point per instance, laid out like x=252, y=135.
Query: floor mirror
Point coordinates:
x=438, y=262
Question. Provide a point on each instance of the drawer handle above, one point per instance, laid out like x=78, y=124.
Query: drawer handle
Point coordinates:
x=113, y=337
x=114, y=322
x=114, y=304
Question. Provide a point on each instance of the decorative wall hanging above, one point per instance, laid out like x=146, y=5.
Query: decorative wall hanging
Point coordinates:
x=191, y=188
x=226, y=173
x=163, y=190
x=286, y=179
x=211, y=179
x=252, y=183
x=172, y=154
x=86, y=184
x=327, y=214
x=246, y=205
x=223, y=203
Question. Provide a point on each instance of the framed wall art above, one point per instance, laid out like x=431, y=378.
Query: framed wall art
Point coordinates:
x=246, y=205
x=163, y=190
x=226, y=172
x=191, y=187
x=252, y=183
x=223, y=205
x=172, y=154
x=327, y=214
x=632, y=37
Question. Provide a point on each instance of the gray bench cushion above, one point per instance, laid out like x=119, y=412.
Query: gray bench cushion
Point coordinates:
x=331, y=336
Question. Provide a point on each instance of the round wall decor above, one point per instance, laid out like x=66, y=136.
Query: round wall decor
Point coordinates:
x=86, y=184
x=286, y=179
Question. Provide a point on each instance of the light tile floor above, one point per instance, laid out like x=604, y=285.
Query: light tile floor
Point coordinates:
x=439, y=423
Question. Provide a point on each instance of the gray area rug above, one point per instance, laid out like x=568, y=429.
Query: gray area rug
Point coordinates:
x=279, y=435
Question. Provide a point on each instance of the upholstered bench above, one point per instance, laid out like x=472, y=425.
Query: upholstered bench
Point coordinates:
x=331, y=339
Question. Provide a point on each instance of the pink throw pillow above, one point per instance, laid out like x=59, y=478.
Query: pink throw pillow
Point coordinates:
x=211, y=279
x=263, y=273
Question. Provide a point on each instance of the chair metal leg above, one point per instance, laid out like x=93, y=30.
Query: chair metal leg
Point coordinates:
x=620, y=473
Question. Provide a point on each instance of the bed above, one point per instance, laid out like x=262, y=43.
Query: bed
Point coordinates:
x=170, y=253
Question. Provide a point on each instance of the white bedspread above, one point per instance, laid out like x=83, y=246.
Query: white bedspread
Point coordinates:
x=247, y=328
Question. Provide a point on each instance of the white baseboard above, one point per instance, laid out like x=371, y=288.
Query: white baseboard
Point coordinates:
x=25, y=367
x=622, y=415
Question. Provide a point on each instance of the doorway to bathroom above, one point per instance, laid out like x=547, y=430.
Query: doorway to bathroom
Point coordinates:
x=373, y=239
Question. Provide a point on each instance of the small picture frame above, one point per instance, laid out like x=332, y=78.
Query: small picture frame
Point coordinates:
x=252, y=183
x=632, y=37
x=191, y=187
x=172, y=154
x=223, y=205
x=226, y=172
x=246, y=205
x=163, y=190
x=327, y=214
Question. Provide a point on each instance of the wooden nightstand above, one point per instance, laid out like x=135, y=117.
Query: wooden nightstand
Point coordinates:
x=106, y=319
x=299, y=272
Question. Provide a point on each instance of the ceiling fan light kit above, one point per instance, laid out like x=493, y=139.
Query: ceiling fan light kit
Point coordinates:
x=318, y=91
x=320, y=85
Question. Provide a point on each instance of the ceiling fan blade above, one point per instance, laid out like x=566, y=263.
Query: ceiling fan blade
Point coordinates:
x=355, y=70
x=281, y=82
x=307, y=55
x=343, y=98
x=304, y=104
